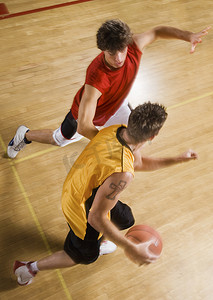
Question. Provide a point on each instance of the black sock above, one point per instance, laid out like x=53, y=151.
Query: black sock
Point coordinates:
x=26, y=140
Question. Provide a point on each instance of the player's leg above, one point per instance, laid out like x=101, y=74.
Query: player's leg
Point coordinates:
x=26, y=271
x=44, y=136
x=76, y=251
x=57, y=260
x=67, y=132
x=62, y=136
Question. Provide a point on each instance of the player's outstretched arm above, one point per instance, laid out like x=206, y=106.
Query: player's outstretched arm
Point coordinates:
x=151, y=164
x=166, y=32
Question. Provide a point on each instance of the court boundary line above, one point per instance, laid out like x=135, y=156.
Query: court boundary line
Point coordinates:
x=35, y=219
x=36, y=10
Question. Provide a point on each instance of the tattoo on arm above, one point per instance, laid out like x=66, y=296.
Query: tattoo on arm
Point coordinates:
x=116, y=189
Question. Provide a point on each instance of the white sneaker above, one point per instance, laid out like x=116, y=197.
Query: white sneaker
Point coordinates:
x=107, y=247
x=23, y=272
x=18, y=142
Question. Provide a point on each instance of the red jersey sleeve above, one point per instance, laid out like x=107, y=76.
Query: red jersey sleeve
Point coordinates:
x=97, y=75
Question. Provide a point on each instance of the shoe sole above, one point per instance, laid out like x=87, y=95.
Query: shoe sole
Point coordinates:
x=16, y=266
x=23, y=284
x=11, y=143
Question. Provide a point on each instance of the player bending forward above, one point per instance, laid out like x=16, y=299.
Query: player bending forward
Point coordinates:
x=92, y=189
x=109, y=78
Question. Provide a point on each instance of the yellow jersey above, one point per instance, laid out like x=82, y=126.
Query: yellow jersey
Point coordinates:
x=106, y=154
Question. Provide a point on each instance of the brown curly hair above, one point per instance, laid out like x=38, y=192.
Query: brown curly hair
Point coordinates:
x=145, y=121
x=113, y=35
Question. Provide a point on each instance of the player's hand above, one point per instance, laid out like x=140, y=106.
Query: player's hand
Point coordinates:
x=140, y=253
x=188, y=155
x=196, y=38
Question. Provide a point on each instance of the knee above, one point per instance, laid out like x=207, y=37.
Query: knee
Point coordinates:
x=128, y=219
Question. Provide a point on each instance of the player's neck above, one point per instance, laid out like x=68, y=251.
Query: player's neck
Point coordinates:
x=108, y=65
x=127, y=139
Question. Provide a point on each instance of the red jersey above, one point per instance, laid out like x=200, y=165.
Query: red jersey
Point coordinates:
x=113, y=84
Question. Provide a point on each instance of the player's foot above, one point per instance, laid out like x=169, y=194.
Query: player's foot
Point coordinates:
x=23, y=272
x=18, y=142
x=107, y=247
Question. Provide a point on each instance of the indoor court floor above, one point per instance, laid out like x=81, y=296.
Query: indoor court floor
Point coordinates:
x=44, y=53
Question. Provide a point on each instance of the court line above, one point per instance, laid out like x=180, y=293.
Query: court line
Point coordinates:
x=36, y=10
x=16, y=161
x=53, y=148
x=33, y=214
x=190, y=100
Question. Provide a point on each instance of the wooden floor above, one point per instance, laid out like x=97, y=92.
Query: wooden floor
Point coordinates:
x=44, y=57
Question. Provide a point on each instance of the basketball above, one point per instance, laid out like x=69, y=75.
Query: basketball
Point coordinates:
x=143, y=233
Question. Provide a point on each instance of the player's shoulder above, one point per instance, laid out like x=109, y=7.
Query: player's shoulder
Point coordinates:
x=134, y=48
x=122, y=176
x=97, y=62
x=96, y=69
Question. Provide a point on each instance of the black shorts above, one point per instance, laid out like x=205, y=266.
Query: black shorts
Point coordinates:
x=87, y=251
x=121, y=216
x=69, y=126
x=83, y=251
